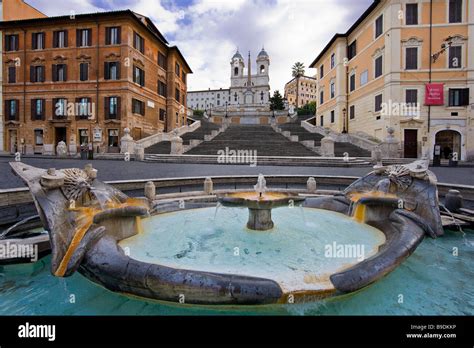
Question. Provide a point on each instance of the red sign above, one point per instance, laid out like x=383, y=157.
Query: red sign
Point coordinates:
x=434, y=94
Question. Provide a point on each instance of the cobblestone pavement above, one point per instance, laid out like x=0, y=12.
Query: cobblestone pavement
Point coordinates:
x=121, y=170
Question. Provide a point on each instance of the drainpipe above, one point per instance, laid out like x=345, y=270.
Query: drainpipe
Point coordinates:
x=24, y=89
x=431, y=59
x=345, y=128
x=97, y=86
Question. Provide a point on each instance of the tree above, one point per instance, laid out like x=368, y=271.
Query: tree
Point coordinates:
x=298, y=69
x=308, y=109
x=276, y=101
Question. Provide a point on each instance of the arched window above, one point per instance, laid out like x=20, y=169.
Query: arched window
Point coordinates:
x=261, y=96
x=235, y=96
x=236, y=71
x=262, y=69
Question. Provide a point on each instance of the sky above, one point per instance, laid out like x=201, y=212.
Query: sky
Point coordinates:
x=208, y=32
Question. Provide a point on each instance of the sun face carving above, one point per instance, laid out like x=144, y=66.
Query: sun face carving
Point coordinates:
x=76, y=183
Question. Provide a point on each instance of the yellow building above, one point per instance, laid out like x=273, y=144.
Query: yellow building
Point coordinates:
x=301, y=90
x=376, y=75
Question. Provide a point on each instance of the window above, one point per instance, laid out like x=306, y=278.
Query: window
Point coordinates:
x=37, y=73
x=84, y=37
x=455, y=11
x=162, y=116
x=37, y=41
x=332, y=116
x=38, y=137
x=162, y=60
x=11, y=74
x=321, y=121
x=113, y=35
x=60, y=39
x=352, y=82
x=112, y=108
x=84, y=71
x=321, y=97
x=455, y=57
x=11, y=43
x=235, y=97
x=352, y=114
x=138, y=107
x=411, y=14
x=113, y=137
x=458, y=96
x=112, y=71
x=378, y=103
x=332, y=89
x=333, y=61
x=261, y=96
x=321, y=71
x=59, y=107
x=85, y=107
x=364, y=77
x=83, y=137
x=139, y=43
x=352, y=50
x=378, y=66
x=11, y=110
x=37, y=109
x=379, y=26
x=59, y=72
x=411, y=96
x=262, y=69
x=162, y=88
x=176, y=94
x=138, y=76
x=177, y=69
x=411, y=58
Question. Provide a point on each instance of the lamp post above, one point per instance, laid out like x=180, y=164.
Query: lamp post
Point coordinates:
x=344, y=117
x=226, y=109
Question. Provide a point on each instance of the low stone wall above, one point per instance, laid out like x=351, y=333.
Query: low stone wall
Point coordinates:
x=159, y=137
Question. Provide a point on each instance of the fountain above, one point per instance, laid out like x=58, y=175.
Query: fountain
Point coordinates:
x=126, y=246
x=260, y=204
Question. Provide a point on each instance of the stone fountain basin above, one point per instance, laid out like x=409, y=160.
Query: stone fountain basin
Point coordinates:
x=252, y=200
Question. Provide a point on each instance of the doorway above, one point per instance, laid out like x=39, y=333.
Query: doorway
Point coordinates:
x=410, y=139
x=12, y=135
x=60, y=134
x=450, y=142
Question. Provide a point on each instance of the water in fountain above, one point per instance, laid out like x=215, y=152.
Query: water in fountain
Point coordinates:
x=261, y=186
x=103, y=197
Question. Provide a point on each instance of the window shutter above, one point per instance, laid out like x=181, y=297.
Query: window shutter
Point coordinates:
x=32, y=73
x=33, y=41
x=55, y=72
x=78, y=38
x=107, y=107
x=7, y=110
x=17, y=110
x=89, y=37
x=142, y=108
x=33, y=109
x=43, y=109
x=106, y=71
x=55, y=39
x=107, y=36
x=42, y=74
x=7, y=43
x=66, y=43
x=65, y=72
x=142, y=78
x=464, y=96
x=53, y=107
x=119, y=107
x=119, y=35
x=118, y=70
x=43, y=42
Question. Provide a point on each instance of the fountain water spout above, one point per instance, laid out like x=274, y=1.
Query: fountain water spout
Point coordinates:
x=261, y=186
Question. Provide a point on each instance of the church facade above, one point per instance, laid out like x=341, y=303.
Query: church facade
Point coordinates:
x=249, y=87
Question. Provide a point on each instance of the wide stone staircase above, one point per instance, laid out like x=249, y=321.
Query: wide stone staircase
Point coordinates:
x=206, y=128
x=295, y=129
x=260, y=138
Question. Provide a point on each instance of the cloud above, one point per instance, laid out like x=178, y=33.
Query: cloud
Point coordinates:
x=209, y=31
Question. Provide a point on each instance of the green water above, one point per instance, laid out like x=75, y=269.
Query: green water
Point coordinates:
x=432, y=282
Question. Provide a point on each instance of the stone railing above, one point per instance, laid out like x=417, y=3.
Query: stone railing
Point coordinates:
x=364, y=142
x=159, y=137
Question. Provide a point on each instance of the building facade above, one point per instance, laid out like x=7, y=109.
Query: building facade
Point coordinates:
x=11, y=10
x=301, y=90
x=408, y=65
x=83, y=79
x=247, y=89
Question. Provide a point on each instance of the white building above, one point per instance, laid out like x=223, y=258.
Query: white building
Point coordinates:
x=246, y=88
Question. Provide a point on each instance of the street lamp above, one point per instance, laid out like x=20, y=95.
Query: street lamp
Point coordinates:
x=226, y=109
x=344, y=117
